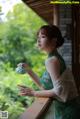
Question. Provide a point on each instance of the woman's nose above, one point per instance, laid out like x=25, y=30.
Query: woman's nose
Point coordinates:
x=38, y=40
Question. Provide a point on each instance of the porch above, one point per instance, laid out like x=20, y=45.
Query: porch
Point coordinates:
x=67, y=18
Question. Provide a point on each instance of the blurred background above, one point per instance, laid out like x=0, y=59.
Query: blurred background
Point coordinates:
x=18, y=28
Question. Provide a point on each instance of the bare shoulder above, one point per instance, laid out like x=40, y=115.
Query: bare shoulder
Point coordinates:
x=52, y=61
x=53, y=65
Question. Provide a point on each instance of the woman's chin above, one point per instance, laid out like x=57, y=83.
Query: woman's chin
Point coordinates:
x=40, y=48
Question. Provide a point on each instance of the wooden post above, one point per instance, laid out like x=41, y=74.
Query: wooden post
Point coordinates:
x=76, y=43
x=56, y=15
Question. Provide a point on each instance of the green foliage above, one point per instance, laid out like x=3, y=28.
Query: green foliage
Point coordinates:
x=18, y=44
x=9, y=92
x=18, y=35
x=0, y=8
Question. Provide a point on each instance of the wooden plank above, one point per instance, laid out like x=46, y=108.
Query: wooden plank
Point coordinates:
x=36, y=109
x=38, y=7
x=50, y=113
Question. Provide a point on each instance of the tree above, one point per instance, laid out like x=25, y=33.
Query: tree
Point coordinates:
x=19, y=37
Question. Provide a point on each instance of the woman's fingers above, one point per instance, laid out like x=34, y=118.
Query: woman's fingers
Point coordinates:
x=25, y=65
x=23, y=68
x=22, y=65
x=22, y=93
x=25, y=91
x=24, y=87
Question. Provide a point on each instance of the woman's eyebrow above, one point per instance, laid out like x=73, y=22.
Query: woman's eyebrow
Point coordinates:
x=43, y=34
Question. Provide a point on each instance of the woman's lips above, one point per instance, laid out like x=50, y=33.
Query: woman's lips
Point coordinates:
x=39, y=44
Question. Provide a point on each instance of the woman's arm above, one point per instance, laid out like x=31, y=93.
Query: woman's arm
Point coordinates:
x=26, y=91
x=35, y=78
x=44, y=93
x=53, y=68
x=32, y=74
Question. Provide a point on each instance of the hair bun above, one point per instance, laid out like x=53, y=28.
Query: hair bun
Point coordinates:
x=60, y=41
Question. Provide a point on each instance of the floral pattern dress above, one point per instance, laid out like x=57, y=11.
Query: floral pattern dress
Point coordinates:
x=61, y=110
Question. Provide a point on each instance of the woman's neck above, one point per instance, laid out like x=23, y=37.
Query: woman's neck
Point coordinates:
x=51, y=50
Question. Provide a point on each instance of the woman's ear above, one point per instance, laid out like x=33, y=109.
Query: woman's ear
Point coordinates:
x=54, y=42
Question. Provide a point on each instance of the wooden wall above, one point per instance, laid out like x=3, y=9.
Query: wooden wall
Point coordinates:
x=65, y=20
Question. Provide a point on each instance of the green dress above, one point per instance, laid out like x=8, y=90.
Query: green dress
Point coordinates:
x=61, y=110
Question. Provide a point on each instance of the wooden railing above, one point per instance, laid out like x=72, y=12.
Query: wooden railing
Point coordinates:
x=37, y=109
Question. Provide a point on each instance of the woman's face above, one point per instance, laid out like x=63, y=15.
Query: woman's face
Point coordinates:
x=42, y=41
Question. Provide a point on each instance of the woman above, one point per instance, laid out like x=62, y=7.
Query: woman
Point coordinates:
x=57, y=81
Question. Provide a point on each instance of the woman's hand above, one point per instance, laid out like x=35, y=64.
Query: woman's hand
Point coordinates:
x=26, y=91
x=25, y=66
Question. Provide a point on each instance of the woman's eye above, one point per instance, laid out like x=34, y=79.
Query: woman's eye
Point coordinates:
x=43, y=37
